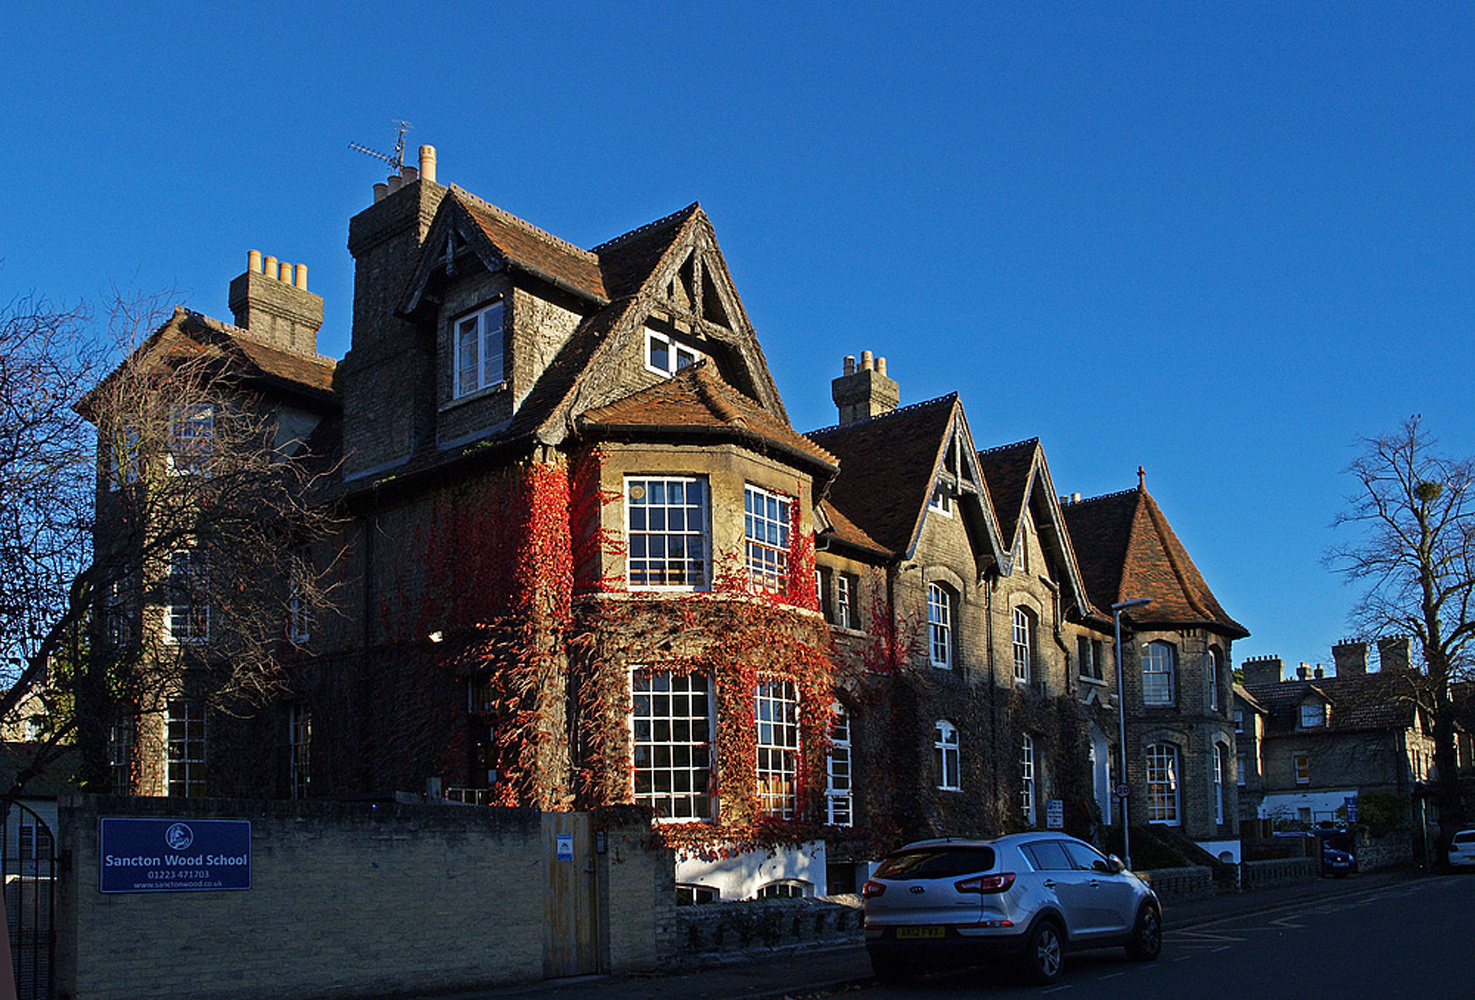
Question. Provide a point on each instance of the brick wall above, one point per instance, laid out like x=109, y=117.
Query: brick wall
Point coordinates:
x=346, y=899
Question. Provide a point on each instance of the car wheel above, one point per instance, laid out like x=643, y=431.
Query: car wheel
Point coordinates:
x=1147, y=935
x=889, y=968
x=1044, y=953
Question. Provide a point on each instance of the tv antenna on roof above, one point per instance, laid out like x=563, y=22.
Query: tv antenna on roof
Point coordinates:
x=398, y=159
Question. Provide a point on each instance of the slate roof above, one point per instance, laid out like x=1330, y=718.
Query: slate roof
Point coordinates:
x=627, y=261
x=696, y=399
x=1007, y=470
x=188, y=334
x=1126, y=549
x=1357, y=702
x=526, y=246
x=886, y=466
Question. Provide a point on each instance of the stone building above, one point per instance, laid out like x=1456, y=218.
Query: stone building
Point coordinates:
x=1311, y=741
x=583, y=559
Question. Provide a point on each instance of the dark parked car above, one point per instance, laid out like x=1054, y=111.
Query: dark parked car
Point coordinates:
x=1027, y=898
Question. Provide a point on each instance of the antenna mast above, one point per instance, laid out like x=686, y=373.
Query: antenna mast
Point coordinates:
x=398, y=159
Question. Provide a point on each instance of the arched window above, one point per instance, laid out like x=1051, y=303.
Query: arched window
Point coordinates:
x=1024, y=644
x=1027, y=776
x=1213, y=670
x=940, y=632
x=945, y=752
x=1162, y=784
x=1159, y=664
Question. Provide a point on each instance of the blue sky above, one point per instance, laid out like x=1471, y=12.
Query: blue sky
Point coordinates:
x=1222, y=242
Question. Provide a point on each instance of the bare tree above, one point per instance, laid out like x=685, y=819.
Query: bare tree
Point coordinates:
x=1415, y=552
x=191, y=576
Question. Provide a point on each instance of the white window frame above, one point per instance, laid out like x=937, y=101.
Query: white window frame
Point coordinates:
x=1023, y=630
x=1219, y=762
x=676, y=354
x=845, y=611
x=947, y=749
x=679, y=744
x=1241, y=768
x=187, y=613
x=941, y=643
x=941, y=499
x=191, y=438
x=1027, y=779
x=839, y=774
x=120, y=756
x=776, y=735
x=1211, y=679
x=1159, y=670
x=185, y=748
x=690, y=572
x=475, y=336
x=1162, y=784
x=1239, y=721
x=766, y=530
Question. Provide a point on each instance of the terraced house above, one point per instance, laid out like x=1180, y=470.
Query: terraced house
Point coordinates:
x=581, y=558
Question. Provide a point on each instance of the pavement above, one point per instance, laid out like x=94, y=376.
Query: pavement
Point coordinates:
x=791, y=974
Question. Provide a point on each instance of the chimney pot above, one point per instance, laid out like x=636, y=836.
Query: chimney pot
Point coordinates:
x=395, y=182
x=1303, y=672
x=301, y=277
x=880, y=366
x=1318, y=672
x=410, y=174
x=867, y=361
x=381, y=191
x=284, y=272
x=269, y=266
x=1075, y=498
x=849, y=364
x=253, y=261
x=427, y=163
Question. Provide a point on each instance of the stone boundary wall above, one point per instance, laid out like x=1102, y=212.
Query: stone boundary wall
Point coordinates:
x=745, y=926
x=1194, y=882
x=1276, y=871
x=346, y=899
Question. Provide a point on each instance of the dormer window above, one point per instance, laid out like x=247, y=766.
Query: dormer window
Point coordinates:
x=477, y=340
x=666, y=356
x=1313, y=714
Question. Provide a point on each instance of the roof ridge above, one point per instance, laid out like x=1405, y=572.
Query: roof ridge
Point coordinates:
x=949, y=397
x=1006, y=447
x=610, y=243
x=1104, y=496
x=241, y=333
x=523, y=224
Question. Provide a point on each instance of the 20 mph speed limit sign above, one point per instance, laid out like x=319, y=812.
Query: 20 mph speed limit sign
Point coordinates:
x=1123, y=791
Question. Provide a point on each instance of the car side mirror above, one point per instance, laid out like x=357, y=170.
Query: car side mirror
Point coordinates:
x=1113, y=865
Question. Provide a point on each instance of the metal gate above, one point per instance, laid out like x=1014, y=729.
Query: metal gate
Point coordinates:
x=28, y=861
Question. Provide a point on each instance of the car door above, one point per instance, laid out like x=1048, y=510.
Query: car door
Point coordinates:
x=1058, y=876
x=1111, y=897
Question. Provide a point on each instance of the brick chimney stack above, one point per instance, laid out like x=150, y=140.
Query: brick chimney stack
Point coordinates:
x=864, y=392
x=1262, y=670
x=1393, y=653
x=271, y=302
x=1351, y=658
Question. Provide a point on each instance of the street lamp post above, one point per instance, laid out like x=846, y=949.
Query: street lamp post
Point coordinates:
x=1121, y=708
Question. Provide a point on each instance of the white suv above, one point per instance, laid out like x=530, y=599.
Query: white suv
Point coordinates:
x=1027, y=896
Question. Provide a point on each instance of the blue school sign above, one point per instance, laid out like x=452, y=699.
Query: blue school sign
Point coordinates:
x=173, y=855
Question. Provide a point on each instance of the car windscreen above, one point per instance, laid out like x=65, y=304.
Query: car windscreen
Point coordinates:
x=1466, y=837
x=936, y=862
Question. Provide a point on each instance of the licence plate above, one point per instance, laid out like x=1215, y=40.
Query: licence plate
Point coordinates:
x=920, y=932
